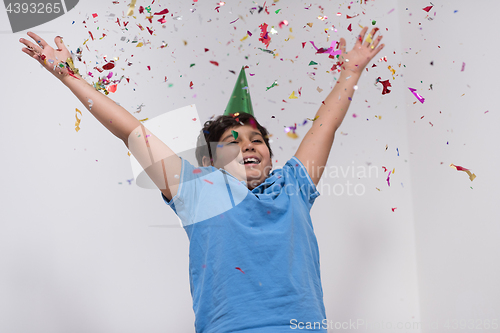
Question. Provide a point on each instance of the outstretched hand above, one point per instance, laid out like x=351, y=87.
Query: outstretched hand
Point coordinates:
x=52, y=60
x=362, y=52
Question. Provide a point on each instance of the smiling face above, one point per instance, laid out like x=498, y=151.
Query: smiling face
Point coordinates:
x=246, y=157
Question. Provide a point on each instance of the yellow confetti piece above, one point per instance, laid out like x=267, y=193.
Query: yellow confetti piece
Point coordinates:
x=246, y=36
x=393, y=170
x=144, y=119
x=310, y=24
x=77, y=123
x=131, y=7
x=313, y=119
x=139, y=44
x=379, y=117
x=369, y=39
x=392, y=70
x=292, y=135
x=459, y=168
x=128, y=153
x=292, y=96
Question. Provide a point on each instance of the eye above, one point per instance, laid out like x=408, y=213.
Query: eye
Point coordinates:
x=257, y=141
x=232, y=142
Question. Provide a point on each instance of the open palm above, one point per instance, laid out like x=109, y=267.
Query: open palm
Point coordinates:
x=362, y=52
x=51, y=59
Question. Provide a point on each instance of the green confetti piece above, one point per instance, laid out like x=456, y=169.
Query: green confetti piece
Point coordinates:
x=374, y=22
x=235, y=134
x=312, y=63
x=277, y=11
x=191, y=65
x=268, y=51
x=274, y=85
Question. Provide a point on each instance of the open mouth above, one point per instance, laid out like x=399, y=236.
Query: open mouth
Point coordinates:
x=250, y=160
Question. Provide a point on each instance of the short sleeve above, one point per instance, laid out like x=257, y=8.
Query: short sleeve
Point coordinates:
x=306, y=188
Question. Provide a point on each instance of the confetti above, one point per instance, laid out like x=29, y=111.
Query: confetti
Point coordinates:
x=77, y=123
x=420, y=98
x=459, y=168
x=386, y=85
x=388, y=176
x=197, y=170
x=292, y=96
x=427, y=8
x=235, y=134
x=131, y=8
x=313, y=118
x=463, y=66
x=240, y=270
x=349, y=27
x=393, y=209
x=208, y=181
x=264, y=35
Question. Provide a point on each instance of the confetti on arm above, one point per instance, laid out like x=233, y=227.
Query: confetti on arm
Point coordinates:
x=459, y=168
x=240, y=270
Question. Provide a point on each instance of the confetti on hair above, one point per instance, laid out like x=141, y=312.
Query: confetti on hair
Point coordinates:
x=240, y=270
x=77, y=123
x=420, y=98
x=459, y=168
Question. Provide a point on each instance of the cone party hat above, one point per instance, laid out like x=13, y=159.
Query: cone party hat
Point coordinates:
x=240, y=101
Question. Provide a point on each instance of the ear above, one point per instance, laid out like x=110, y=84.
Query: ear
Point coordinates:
x=206, y=161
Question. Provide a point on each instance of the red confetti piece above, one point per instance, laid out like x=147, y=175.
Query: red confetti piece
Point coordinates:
x=197, y=170
x=427, y=8
x=385, y=169
x=206, y=50
x=108, y=66
x=112, y=88
x=393, y=209
x=165, y=11
x=141, y=9
x=91, y=35
x=94, y=15
x=214, y=63
x=386, y=85
x=150, y=31
x=350, y=17
x=349, y=27
x=240, y=270
x=208, y=181
x=264, y=35
x=191, y=85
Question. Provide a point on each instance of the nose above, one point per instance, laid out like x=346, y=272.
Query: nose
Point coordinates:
x=248, y=146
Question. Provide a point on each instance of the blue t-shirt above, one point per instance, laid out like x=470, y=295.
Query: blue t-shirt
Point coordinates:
x=253, y=256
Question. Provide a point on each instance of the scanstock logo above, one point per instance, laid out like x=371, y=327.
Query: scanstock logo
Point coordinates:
x=26, y=14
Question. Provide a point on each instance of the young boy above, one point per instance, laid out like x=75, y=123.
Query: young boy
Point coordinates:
x=254, y=260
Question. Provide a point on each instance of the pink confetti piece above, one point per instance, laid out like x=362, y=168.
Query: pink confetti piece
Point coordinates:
x=208, y=181
x=388, y=176
x=420, y=98
x=463, y=66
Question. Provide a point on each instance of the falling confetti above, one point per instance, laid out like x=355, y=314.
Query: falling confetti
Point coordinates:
x=427, y=8
x=388, y=176
x=459, y=168
x=386, y=85
x=420, y=98
x=77, y=123
x=131, y=7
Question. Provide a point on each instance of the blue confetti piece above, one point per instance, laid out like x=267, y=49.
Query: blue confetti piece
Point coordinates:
x=397, y=151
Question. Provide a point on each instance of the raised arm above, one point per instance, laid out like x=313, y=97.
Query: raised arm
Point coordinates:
x=316, y=145
x=157, y=159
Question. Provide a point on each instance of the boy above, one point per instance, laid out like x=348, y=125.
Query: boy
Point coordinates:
x=254, y=260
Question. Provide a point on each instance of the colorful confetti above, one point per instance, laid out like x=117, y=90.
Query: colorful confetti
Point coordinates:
x=459, y=168
x=386, y=85
x=420, y=98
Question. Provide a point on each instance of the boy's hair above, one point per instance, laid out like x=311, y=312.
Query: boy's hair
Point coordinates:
x=213, y=130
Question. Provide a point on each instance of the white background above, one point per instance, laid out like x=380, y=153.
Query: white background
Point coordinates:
x=82, y=250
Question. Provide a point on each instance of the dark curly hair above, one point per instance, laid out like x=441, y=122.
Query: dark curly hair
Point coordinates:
x=213, y=129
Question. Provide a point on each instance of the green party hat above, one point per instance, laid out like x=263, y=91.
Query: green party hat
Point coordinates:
x=240, y=101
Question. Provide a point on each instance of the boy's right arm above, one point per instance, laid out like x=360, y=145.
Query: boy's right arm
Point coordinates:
x=156, y=158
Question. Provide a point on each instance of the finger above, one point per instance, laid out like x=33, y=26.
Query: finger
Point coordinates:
x=40, y=42
x=376, y=42
x=342, y=44
x=361, y=36
x=31, y=46
x=59, y=42
x=369, y=38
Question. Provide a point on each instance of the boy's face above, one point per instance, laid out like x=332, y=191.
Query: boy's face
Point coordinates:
x=234, y=155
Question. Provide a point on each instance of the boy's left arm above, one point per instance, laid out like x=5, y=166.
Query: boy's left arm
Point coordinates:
x=316, y=145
